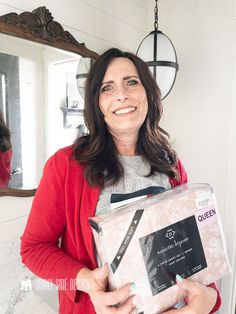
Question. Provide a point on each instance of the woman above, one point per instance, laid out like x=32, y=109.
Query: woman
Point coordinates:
x=5, y=153
x=125, y=145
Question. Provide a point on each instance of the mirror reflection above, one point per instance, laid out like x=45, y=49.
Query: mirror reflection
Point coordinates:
x=40, y=106
x=5, y=153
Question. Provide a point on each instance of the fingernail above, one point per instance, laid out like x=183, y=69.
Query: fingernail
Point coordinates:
x=132, y=288
x=178, y=278
x=180, y=304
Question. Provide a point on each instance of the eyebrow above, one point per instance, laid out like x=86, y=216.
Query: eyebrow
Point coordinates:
x=124, y=79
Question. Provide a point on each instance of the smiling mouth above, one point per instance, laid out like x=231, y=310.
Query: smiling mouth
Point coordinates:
x=124, y=110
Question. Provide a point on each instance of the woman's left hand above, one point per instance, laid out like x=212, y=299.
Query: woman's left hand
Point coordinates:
x=201, y=299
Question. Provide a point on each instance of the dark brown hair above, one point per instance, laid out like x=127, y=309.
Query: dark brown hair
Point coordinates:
x=98, y=151
x=5, y=135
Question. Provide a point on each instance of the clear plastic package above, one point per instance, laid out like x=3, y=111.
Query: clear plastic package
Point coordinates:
x=151, y=240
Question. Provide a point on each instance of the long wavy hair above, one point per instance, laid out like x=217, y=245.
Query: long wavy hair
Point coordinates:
x=97, y=150
x=5, y=135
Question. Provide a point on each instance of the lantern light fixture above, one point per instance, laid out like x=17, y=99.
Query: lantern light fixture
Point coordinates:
x=157, y=50
x=83, y=69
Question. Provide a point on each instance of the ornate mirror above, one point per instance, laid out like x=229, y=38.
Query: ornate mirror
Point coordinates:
x=39, y=98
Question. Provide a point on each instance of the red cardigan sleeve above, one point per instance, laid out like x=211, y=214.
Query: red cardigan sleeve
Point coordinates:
x=5, y=168
x=218, y=300
x=46, y=222
x=183, y=178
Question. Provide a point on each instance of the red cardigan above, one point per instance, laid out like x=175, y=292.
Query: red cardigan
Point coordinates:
x=5, y=168
x=61, y=207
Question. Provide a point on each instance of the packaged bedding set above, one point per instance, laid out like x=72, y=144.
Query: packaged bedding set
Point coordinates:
x=151, y=240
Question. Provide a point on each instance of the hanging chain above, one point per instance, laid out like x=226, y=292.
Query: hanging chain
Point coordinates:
x=156, y=16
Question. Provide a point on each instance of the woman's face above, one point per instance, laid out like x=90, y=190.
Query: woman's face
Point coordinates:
x=122, y=98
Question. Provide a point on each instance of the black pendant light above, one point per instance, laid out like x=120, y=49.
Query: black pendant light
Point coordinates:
x=159, y=53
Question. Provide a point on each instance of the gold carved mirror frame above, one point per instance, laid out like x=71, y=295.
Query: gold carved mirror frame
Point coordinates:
x=39, y=26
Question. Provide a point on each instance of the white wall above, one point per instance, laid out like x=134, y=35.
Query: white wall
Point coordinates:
x=200, y=112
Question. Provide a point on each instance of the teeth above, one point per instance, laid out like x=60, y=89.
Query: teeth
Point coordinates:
x=125, y=110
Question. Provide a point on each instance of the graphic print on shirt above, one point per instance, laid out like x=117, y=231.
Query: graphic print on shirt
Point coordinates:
x=120, y=199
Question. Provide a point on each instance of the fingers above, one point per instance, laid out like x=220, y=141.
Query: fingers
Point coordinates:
x=134, y=310
x=117, y=296
x=101, y=273
x=201, y=299
x=127, y=307
x=185, y=310
x=95, y=279
x=190, y=286
x=173, y=311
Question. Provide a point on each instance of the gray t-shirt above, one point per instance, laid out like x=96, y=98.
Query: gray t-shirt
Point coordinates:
x=135, y=170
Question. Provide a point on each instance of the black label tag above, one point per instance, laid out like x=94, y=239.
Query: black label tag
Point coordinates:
x=128, y=237
x=176, y=249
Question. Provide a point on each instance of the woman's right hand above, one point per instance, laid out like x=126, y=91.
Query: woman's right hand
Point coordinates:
x=94, y=283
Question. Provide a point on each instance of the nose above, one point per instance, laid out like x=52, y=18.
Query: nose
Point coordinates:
x=122, y=94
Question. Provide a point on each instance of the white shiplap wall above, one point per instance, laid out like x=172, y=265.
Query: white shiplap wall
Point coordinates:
x=98, y=23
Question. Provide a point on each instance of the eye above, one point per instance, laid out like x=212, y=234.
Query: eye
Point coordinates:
x=132, y=82
x=106, y=88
